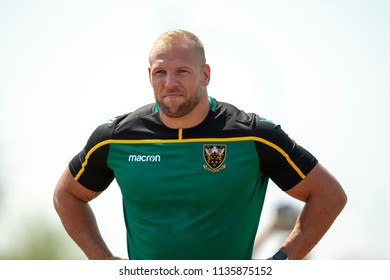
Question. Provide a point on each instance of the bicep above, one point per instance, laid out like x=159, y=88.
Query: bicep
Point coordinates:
x=318, y=182
x=67, y=185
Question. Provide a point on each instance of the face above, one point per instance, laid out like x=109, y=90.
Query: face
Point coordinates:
x=178, y=78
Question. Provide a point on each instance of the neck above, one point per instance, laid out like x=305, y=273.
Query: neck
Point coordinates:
x=193, y=118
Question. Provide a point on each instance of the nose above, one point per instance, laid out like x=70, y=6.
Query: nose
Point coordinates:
x=170, y=80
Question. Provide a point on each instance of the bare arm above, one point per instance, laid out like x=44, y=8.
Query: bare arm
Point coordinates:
x=71, y=203
x=324, y=200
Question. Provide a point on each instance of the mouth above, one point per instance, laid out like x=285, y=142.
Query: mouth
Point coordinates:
x=172, y=95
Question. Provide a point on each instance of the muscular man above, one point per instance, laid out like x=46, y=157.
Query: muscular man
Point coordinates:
x=193, y=171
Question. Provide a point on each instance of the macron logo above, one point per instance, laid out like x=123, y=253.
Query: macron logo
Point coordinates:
x=144, y=158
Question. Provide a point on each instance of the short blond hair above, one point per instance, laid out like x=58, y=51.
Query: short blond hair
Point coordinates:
x=179, y=36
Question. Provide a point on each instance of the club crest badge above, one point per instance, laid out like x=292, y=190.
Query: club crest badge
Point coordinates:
x=214, y=156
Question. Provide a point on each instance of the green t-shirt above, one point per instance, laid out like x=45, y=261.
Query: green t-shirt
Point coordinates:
x=192, y=193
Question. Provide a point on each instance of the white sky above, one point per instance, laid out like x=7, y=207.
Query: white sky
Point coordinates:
x=319, y=68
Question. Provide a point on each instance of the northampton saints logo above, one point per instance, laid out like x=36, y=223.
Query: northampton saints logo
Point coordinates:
x=214, y=156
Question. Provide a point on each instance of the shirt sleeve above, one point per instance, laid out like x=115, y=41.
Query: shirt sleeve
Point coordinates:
x=89, y=167
x=281, y=158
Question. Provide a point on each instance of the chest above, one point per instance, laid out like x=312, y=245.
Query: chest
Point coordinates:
x=184, y=172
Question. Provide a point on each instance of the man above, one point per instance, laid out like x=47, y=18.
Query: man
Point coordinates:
x=193, y=171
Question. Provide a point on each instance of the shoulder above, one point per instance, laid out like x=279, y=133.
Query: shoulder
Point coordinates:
x=238, y=119
x=230, y=110
x=114, y=127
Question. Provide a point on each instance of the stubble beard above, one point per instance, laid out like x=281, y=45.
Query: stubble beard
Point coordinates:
x=178, y=111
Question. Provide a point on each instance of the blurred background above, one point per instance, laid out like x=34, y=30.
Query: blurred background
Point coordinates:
x=319, y=68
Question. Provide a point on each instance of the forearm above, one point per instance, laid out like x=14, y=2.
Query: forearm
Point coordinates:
x=303, y=238
x=324, y=200
x=314, y=221
x=80, y=223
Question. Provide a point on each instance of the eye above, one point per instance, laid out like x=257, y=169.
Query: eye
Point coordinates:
x=182, y=71
x=158, y=72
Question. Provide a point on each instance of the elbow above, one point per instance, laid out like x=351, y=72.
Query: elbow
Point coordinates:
x=340, y=199
x=57, y=199
x=344, y=199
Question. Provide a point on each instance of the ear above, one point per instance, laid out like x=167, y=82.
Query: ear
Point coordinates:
x=150, y=75
x=206, y=74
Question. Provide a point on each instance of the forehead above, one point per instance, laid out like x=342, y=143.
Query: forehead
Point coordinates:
x=176, y=54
